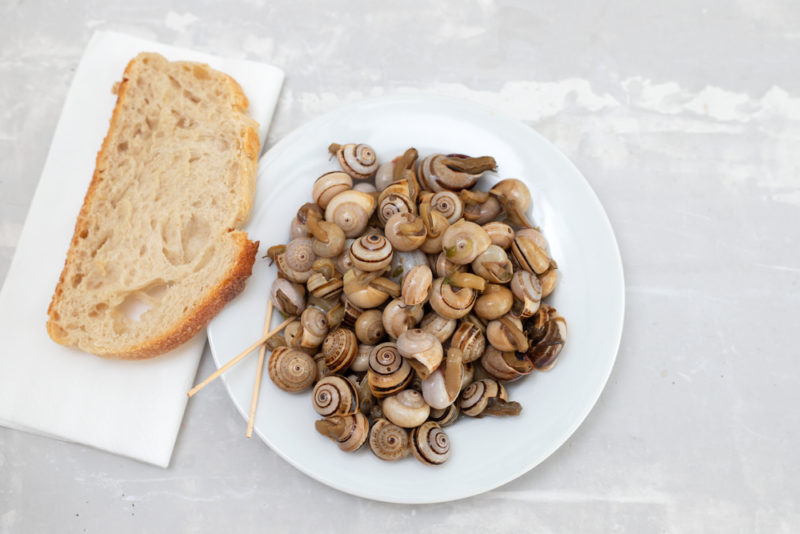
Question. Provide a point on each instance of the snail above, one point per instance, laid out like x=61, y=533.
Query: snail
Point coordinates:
x=288, y=297
x=393, y=204
x=328, y=239
x=384, y=175
x=371, y=252
x=506, y=334
x=443, y=267
x=423, y=350
x=470, y=340
x=292, y=334
x=480, y=208
x=369, y=327
x=450, y=301
x=334, y=395
x=388, y=441
x=340, y=347
x=495, y=301
x=388, y=371
x=464, y=241
x=322, y=369
x=445, y=416
x=429, y=444
x=404, y=170
x=487, y=397
x=402, y=262
x=349, y=431
x=315, y=328
x=357, y=160
x=361, y=361
x=455, y=172
x=515, y=198
x=505, y=365
x=440, y=389
x=406, y=409
x=435, y=225
x=368, y=290
x=417, y=285
x=329, y=185
x=397, y=317
x=529, y=249
x=350, y=211
x=365, y=187
x=343, y=261
x=549, y=280
x=325, y=283
x=547, y=334
x=527, y=288
x=350, y=312
x=286, y=271
x=299, y=254
x=441, y=327
x=448, y=204
x=493, y=265
x=405, y=231
x=291, y=370
x=501, y=234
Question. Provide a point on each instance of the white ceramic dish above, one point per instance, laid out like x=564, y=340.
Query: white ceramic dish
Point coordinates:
x=489, y=452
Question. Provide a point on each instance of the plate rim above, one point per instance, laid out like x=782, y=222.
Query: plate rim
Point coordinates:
x=287, y=141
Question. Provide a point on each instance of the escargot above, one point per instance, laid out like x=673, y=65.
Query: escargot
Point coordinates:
x=334, y=395
x=358, y=160
x=388, y=441
x=349, y=431
x=291, y=370
x=430, y=444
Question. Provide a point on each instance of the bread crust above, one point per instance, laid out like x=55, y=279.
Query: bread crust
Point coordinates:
x=232, y=283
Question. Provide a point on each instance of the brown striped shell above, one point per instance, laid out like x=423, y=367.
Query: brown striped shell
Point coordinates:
x=450, y=301
x=349, y=431
x=388, y=371
x=334, y=395
x=340, y=348
x=358, y=160
x=430, y=444
x=388, y=441
x=470, y=339
x=371, y=252
x=291, y=370
x=329, y=185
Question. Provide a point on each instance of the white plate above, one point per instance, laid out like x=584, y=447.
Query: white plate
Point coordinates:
x=489, y=452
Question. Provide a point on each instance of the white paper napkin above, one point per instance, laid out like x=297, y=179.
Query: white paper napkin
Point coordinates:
x=133, y=408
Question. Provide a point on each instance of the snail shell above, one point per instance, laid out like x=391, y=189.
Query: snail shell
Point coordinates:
x=440, y=389
x=350, y=211
x=444, y=267
x=417, y=285
x=501, y=234
x=451, y=302
x=349, y=431
x=549, y=280
x=422, y=349
x=334, y=395
x=289, y=298
x=343, y=261
x=487, y=397
x=402, y=262
x=324, y=288
x=367, y=294
x=504, y=365
x=483, y=213
x=365, y=187
x=445, y=416
x=495, y=301
x=505, y=334
x=369, y=327
x=384, y=176
x=527, y=288
x=430, y=444
x=405, y=231
x=392, y=204
x=388, y=371
x=514, y=191
x=340, y=347
x=315, y=327
x=371, y=252
x=286, y=271
x=299, y=254
x=397, y=317
x=322, y=369
x=388, y=441
x=291, y=370
x=544, y=353
x=441, y=327
x=493, y=265
x=329, y=185
x=292, y=333
x=361, y=362
x=448, y=204
x=464, y=241
x=359, y=161
x=435, y=174
x=530, y=251
x=435, y=233
x=406, y=408
x=469, y=338
x=351, y=313
x=335, y=243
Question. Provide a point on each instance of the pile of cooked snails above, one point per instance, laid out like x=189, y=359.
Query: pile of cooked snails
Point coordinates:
x=417, y=296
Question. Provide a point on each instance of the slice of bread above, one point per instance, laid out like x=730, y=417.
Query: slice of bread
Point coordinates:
x=157, y=249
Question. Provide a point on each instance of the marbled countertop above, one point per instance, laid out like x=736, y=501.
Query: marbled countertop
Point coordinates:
x=685, y=119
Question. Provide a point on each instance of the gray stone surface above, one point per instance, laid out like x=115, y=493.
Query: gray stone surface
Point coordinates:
x=684, y=117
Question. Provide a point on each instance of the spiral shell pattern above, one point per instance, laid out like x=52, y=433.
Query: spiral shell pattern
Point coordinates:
x=322, y=288
x=469, y=338
x=448, y=204
x=349, y=431
x=529, y=249
x=350, y=211
x=446, y=416
x=388, y=441
x=371, y=252
x=291, y=370
x=505, y=365
x=359, y=161
x=388, y=371
x=335, y=395
x=329, y=185
x=451, y=302
x=369, y=327
x=464, y=241
x=476, y=396
x=340, y=348
x=394, y=203
x=299, y=254
x=430, y=444
x=441, y=327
